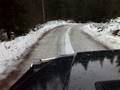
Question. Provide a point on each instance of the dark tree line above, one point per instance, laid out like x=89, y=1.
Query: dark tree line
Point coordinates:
x=83, y=10
x=18, y=16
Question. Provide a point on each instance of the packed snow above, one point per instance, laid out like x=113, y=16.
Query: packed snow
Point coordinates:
x=107, y=33
x=65, y=42
x=12, y=51
x=68, y=46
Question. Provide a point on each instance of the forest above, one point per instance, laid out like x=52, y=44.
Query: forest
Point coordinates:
x=17, y=17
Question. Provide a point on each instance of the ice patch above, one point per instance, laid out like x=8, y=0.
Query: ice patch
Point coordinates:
x=68, y=45
x=65, y=44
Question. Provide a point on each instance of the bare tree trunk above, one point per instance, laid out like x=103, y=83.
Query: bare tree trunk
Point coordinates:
x=43, y=11
x=8, y=34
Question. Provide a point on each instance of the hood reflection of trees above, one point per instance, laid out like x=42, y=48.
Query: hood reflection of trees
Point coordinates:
x=86, y=57
x=61, y=68
x=56, y=75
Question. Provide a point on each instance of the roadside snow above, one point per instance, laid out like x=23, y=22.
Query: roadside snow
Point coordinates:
x=12, y=51
x=103, y=32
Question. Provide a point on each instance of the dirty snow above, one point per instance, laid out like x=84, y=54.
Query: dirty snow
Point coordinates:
x=12, y=51
x=103, y=32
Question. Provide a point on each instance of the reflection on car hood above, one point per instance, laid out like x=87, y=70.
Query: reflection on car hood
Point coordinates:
x=73, y=72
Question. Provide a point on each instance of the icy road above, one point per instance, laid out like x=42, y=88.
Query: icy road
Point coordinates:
x=62, y=40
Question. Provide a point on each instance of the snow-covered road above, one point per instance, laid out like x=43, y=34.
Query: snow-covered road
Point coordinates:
x=64, y=39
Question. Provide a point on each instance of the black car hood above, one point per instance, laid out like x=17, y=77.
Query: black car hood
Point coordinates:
x=82, y=71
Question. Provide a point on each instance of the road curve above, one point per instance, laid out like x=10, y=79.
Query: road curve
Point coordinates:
x=67, y=39
x=63, y=40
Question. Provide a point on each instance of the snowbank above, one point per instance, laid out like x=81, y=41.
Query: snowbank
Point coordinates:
x=12, y=51
x=103, y=32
